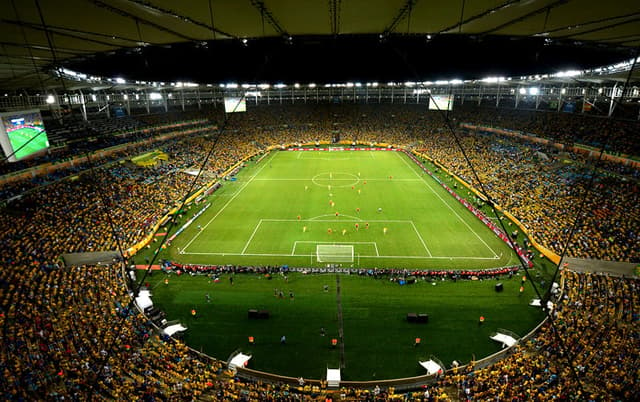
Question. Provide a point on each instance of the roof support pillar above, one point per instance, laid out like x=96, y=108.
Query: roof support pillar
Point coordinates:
x=612, y=103
x=83, y=106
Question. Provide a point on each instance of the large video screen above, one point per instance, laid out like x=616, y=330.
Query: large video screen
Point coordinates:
x=441, y=102
x=22, y=134
x=232, y=105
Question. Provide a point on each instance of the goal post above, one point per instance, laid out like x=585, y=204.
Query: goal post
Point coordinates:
x=334, y=252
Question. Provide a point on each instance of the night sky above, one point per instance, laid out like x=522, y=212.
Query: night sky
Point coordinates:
x=348, y=58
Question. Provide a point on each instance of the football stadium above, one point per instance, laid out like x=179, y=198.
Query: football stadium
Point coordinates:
x=320, y=201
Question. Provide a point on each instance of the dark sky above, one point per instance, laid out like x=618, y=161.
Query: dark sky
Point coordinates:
x=348, y=58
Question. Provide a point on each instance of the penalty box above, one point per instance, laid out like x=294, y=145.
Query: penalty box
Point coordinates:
x=301, y=237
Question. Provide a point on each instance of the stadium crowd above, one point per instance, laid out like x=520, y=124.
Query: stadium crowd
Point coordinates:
x=57, y=323
x=597, y=319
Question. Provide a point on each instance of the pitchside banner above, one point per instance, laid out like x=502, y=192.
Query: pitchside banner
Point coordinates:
x=478, y=214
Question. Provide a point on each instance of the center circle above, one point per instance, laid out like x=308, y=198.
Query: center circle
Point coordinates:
x=335, y=179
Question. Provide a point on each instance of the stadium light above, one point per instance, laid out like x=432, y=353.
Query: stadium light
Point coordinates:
x=456, y=82
x=312, y=85
x=296, y=85
x=522, y=91
x=50, y=99
x=563, y=91
x=280, y=86
x=94, y=97
x=533, y=91
x=126, y=97
x=155, y=96
x=232, y=85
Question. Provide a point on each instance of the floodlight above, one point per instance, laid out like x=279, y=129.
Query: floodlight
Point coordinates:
x=523, y=91
x=533, y=91
x=312, y=85
x=155, y=96
x=50, y=99
x=126, y=97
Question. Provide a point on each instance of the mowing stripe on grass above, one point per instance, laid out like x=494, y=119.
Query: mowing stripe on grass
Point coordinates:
x=447, y=204
x=340, y=322
x=225, y=205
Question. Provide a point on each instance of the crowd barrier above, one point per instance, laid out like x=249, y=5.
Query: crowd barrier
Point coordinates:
x=149, y=237
x=553, y=257
x=483, y=218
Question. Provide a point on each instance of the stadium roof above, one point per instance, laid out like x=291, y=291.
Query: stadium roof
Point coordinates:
x=160, y=39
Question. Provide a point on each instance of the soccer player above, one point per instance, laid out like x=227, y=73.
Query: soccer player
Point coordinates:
x=298, y=217
x=359, y=191
x=344, y=232
x=329, y=187
x=329, y=231
x=384, y=230
x=306, y=188
x=357, y=227
x=337, y=214
x=379, y=210
x=304, y=229
x=366, y=225
x=357, y=210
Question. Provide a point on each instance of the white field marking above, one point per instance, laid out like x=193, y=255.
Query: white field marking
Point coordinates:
x=228, y=202
x=377, y=252
x=251, y=237
x=449, y=206
x=335, y=220
x=416, y=257
x=295, y=244
x=322, y=216
x=386, y=179
x=421, y=239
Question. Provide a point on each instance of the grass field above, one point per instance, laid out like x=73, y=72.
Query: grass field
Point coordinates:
x=378, y=341
x=280, y=210
x=254, y=221
x=22, y=136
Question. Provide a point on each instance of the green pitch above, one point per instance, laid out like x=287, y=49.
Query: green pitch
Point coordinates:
x=378, y=207
x=22, y=136
x=379, y=343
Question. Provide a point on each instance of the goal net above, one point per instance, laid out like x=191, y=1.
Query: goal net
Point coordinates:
x=334, y=252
